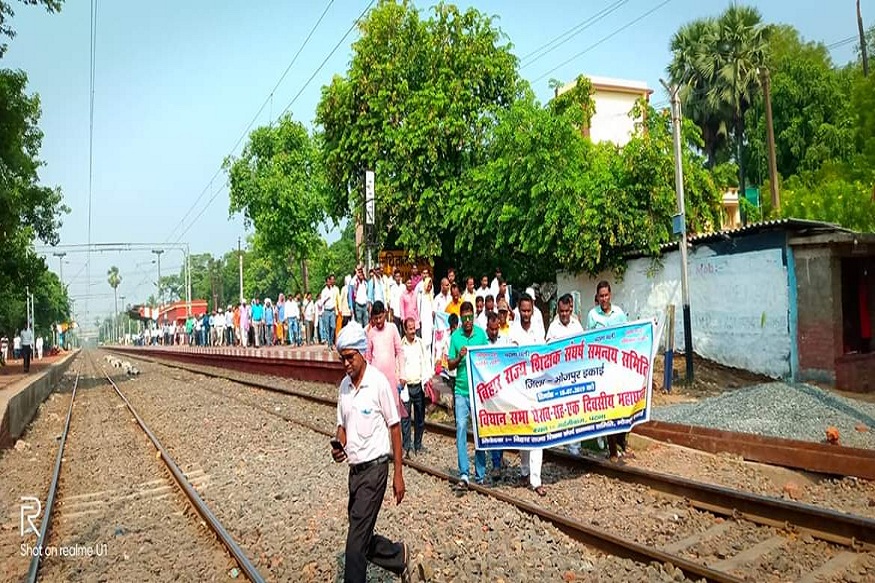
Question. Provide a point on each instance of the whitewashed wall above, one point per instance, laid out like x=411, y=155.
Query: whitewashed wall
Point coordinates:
x=611, y=121
x=739, y=303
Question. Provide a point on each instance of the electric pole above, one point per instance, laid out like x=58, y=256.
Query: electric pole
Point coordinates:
x=681, y=226
x=158, y=252
x=770, y=138
x=864, y=52
x=60, y=257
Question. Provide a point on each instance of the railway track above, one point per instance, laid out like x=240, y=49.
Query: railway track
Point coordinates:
x=71, y=513
x=723, y=517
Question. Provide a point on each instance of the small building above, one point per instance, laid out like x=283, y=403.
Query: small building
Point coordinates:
x=789, y=298
x=613, y=100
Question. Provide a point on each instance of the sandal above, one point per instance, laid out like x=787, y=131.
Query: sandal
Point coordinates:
x=540, y=491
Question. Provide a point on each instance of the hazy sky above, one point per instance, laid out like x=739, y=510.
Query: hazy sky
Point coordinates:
x=178, y=82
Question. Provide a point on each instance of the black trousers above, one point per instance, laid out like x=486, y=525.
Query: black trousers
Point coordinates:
x=366, y=490
x=415, y=410
x=25, y=353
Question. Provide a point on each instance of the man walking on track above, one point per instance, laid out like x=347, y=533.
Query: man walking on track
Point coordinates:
x=369, y=434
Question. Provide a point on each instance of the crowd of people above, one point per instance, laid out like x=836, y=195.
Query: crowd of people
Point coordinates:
x=384, y=345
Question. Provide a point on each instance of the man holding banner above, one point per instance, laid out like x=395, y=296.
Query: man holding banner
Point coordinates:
x=602, y=315
x=466, y=335
x=526, y=334
x=565, y=325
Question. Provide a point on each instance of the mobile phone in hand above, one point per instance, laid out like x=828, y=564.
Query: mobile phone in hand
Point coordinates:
x=336, y=444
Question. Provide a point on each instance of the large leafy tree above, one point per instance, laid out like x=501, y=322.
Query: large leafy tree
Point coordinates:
x=549, y=198
x=416, y=106
x=813, y=114
x=114, y=279
x=719, y=63
x=278, y=184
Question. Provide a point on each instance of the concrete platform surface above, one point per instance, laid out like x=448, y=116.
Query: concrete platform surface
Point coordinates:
x=21, y=394
x=313, y=352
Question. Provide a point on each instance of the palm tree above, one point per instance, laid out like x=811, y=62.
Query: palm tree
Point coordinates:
x=114, y=280
x=717, y=63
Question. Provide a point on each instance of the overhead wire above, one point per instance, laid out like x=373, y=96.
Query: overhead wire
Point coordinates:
x=550, y=46
x=245, y=132
x=603, y=39
x=93, y=75
x=287, y=107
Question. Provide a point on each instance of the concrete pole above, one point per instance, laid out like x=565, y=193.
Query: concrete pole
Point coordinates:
x=682, y=244
x=158, y=253
x=770, y=138
x=188, y=279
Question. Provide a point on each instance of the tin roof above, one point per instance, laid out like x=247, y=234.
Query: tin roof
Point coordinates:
x=796, y=226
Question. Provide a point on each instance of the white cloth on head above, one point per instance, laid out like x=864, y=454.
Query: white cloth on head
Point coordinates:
x=352, y=336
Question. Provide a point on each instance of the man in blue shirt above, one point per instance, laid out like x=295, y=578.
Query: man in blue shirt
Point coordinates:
x=465, y=335
x=258, y=321
x=601, y=316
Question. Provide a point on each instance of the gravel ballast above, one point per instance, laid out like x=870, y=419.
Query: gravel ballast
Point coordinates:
x=778, y=409
x=629, y=510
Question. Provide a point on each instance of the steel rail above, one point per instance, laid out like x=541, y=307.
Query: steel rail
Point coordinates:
x=33, y=570
x=194, y=498
x=829, y=525
x=599, y=539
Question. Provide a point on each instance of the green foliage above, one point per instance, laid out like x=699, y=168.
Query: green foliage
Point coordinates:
x=717, y=61
x=278, y=185
x=113, y=277
x=27, y=210
x=419, y=98
x=7, y=13
x=813, y=115
x=549, y=198
x=830, y=195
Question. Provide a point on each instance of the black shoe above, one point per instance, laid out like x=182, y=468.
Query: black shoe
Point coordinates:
x=407, y=454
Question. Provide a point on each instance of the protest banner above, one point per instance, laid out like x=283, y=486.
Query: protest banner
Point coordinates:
x=532, y=397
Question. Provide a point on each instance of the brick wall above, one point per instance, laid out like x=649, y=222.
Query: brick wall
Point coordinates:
x=856, y=372
x=819, y=315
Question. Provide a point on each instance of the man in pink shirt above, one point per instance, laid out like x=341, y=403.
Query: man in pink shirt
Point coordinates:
x=410, y=306
x=384, y=350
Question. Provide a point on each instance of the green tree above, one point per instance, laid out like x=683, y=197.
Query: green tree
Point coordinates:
x=278, y=184
x=28, y=210
x=813, y=115
x=416, y=106
x=718, y=62
x=549, y=198
x=114, y=279
x=6, y=13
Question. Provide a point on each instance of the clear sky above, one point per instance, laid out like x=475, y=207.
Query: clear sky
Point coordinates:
x=178, y=82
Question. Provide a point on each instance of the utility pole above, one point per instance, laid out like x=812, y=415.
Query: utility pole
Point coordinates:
x=770, y=138
x=119, y=317
x=60, y=257
x=863, y=48
x=682, y=226
x=370, y=212
x=240, y=266
x=158, y=252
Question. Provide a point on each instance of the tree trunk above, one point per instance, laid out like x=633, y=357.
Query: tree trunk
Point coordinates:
x=305, y=274
x=115, y=319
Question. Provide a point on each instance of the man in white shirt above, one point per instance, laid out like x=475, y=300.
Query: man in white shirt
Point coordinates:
x=26, y=346
x=396, y=288
x=362, y=306
x=524, y=333
x=470, y=294
x=484, y=289
x=328, y=302
x=369, y=434
x=415, y=375
x=495, y=339
x=444, y=298
x=565, y=325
